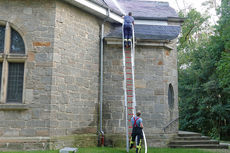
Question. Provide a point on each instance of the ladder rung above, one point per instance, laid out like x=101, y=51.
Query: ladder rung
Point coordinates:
x=128, y=57
x=130, y=107
x=129, y=90
x=130, y=96
x=129, y=84
x=129, y=120
x=130, y=114
x=128, y=67
x=128, y=73
x=127, y=51
x=129, y=79
x=130, y=127
x=128, y=62
x=130, y=102
x=130, y=133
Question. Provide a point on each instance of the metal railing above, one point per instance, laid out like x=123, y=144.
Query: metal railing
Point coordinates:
x=171, y=122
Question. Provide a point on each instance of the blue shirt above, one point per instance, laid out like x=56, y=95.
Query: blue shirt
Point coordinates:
x=128, y=20
x=138, y=122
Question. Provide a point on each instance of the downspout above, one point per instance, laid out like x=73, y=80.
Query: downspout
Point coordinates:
x=101, y=139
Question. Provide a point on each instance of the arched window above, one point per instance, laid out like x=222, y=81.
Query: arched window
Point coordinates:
x=171, y=97
x=2, y=38
x=12, y=59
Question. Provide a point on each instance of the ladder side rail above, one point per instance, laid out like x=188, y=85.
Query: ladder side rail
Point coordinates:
x=133, y=69
x=133, y=78
x=125, y=91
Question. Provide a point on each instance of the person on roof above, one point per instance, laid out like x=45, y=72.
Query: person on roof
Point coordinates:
x=128, y=23
x=137, y=131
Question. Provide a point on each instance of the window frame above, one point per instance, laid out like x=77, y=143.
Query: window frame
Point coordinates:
x=6, y=57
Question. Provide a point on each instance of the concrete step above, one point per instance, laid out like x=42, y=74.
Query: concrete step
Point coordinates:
x=186, y=139
x=189, y=134
x=191, y=142
x=203, y=146
x=192, y=138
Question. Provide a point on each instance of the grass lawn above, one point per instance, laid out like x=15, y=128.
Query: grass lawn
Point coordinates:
x=118, y=150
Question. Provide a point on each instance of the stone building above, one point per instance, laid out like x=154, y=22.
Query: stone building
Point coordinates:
x=50, y=72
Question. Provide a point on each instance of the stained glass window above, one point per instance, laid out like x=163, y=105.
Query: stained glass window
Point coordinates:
x=2, y=38
x=17, y=44
x=15, y=82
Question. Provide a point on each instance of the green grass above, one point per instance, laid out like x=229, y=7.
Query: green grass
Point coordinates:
x=119, y=150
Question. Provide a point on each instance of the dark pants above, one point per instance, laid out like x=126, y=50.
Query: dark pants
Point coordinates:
x=128, y=34
x=137, y=132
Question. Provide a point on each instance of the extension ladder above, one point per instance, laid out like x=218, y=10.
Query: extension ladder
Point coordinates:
x=129, y=86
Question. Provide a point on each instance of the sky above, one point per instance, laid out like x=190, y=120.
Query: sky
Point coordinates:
x=185, y=3
x=181, y=4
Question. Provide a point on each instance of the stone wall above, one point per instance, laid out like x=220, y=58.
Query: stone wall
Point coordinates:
x=34, y=20
x=171, y=77
x=61, y=84
x=61, y=75
x=155, y=69
x=75, y=77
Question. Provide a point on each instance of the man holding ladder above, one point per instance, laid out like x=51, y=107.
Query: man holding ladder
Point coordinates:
x=137, y=131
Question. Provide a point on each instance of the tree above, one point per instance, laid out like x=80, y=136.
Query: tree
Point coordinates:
x=204, y=74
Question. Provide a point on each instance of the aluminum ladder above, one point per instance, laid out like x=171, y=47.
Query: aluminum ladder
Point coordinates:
x=129, y=86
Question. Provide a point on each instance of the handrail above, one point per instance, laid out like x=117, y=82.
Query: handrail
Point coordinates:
x=170, y=123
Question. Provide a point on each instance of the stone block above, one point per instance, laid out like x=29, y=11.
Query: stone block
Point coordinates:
x=159, y=108
x=159, y=91
x=35, y=113
x=140, y=84
x=42, y=132
x=16, y=146
x=27, y=132
x=11, y=133
x=31, y=56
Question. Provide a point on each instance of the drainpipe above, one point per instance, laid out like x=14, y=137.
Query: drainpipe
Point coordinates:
x=101, y=77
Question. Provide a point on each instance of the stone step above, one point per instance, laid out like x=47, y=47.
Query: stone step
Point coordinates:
x=204, y=146
x=181, y=142
x=192, y=138
x=189, y=134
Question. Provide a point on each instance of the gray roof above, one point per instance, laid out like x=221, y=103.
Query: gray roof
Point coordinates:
x=150, y=32
x=140, y=8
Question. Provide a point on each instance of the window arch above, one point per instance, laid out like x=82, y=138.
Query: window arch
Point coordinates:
x=170, y=96
x=17, y=43
x=12, y=61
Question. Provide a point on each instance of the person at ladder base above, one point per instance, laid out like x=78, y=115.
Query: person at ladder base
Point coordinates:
x=137, y=131
x=128, y=21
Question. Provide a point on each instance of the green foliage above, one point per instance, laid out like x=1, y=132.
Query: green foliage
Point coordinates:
x=223, y=70
x=204, y=74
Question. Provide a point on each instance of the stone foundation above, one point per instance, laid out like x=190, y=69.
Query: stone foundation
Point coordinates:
x=76, y=140
x=24, y=143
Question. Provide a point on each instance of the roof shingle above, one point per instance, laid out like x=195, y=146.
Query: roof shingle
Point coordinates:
x=150, y=32
x=141, y=8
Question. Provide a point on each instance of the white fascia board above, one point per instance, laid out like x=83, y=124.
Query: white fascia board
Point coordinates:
x=151, y=22
x=92, y=7
x=116, y=17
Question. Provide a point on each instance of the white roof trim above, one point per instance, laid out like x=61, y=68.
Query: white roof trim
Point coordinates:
x=96, y=9
x=151, y=22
